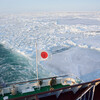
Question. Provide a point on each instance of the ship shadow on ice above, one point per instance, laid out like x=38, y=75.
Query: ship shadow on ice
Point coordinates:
x=82, y=62
x=91, y=76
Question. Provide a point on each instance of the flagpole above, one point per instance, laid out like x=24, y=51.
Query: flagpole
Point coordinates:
x=36, y=61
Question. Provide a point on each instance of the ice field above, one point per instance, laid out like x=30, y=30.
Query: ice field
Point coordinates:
x=71, y=39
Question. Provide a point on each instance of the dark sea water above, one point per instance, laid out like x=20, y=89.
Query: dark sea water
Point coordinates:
x=16, y=67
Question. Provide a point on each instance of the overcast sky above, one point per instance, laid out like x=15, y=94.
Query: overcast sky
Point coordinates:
x=49, y=5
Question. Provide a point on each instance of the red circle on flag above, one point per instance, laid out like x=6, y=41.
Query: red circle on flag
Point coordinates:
x=44, y=55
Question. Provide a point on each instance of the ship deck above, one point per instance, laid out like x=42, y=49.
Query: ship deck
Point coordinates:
x=56, y=88
x=36, y=91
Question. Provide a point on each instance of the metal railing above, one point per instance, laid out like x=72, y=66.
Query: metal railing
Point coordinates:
x=88, y=94
x=62, y=76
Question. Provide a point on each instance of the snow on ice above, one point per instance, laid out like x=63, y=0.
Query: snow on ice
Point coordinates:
x=73, y=39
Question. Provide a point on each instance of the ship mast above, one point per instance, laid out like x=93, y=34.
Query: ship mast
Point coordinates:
x=36, y=61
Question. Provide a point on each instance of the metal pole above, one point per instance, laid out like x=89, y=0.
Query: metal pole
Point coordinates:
x=93, y=92
x=36, y=62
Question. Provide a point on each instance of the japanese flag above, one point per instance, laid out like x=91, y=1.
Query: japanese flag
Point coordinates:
x=42, y=55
